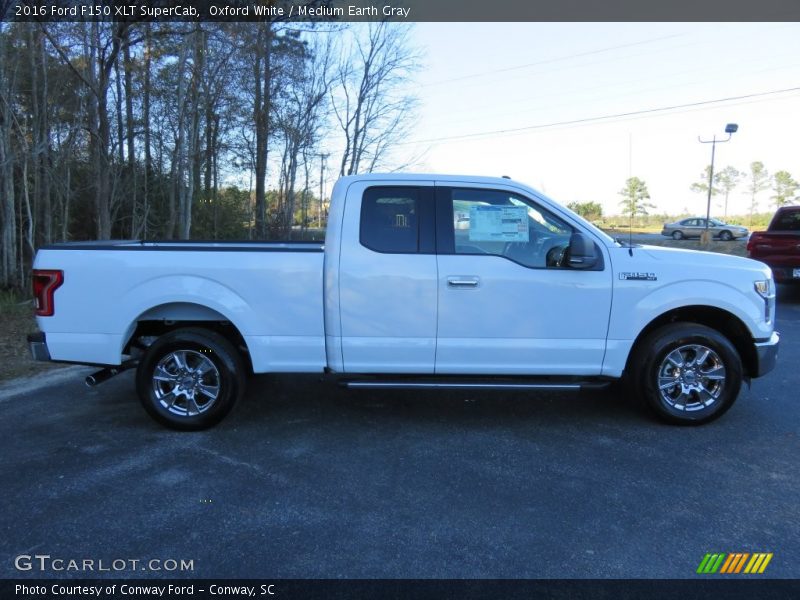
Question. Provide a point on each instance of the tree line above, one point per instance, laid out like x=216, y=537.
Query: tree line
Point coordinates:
x=187, y=130
x=756, y=179
x=635, y=200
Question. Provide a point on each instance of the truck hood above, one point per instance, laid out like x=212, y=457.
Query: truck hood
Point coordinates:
x=694, y=259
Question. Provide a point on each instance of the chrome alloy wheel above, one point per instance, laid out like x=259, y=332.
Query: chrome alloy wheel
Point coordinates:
x=186, y=382
x=691, y=377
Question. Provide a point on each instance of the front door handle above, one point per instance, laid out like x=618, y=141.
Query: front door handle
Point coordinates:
x=463, y=282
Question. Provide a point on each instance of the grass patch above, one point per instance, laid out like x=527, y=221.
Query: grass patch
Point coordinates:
x=619, y=230
x=732, y=248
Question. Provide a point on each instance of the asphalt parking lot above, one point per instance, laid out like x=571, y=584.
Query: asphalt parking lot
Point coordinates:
x=306, y=480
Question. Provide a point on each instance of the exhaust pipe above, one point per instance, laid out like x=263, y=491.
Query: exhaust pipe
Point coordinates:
x=109, y=372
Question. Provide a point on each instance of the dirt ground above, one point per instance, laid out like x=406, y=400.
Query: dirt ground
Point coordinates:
x=16, y=322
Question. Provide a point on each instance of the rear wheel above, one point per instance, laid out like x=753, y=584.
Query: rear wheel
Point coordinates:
x=687, y=374
x=189, y=379
x=677, y=235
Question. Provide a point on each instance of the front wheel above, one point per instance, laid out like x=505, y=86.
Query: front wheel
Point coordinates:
x=725, y=236
x=189, y=379
x=677, y=235
x=687, y=374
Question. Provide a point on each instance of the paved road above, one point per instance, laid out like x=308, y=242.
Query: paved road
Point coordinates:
x=306, y=480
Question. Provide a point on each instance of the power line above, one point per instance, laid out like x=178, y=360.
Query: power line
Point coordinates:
x=467, y=113
x=577, y=55
x=599, y=118
x=552, y=60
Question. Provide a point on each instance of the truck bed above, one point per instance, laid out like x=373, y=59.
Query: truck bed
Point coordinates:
x=215, y=245
x=272, y=292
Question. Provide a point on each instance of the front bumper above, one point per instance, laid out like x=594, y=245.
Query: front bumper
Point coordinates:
x=38, y=346
x=767, y=354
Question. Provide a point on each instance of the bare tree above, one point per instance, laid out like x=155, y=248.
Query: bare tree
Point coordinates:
x=8, y=229
x=102, y=43
x=369, y=103
x=300, y=119
x=127, y=129
x=40, y=132
x=148, y=159
x=262, y=105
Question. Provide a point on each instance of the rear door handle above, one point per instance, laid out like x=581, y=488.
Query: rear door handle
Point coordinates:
x=463, y=282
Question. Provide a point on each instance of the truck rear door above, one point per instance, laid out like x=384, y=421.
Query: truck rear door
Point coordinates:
x=387, y=276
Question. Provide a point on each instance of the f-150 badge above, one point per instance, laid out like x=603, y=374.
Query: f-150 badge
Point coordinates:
x=638, y=276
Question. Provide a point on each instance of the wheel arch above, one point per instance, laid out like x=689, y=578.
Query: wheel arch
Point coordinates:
x=721, y=320
x=170, y=316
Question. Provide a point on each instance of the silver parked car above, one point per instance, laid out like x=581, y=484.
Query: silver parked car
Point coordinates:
x=693, y=227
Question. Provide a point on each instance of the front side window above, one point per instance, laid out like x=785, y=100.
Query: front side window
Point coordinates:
x=389, y=219
x=506, y=224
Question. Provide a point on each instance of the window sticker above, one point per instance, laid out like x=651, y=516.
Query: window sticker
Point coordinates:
x=498, y=224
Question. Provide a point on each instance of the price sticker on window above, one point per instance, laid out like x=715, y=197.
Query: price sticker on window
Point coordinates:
x=498, y=224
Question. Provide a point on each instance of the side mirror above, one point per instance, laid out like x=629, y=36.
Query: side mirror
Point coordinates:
x=582, y=252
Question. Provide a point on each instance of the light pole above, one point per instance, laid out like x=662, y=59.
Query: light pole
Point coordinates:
x=730, y=129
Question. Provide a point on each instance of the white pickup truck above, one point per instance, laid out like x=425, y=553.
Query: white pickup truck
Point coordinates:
x=423, y=281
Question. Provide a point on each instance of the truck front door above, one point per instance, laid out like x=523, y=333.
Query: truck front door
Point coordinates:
x=508, y=301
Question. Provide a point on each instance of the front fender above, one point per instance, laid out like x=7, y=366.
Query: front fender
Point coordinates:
x=698, y=292
x=636, y=306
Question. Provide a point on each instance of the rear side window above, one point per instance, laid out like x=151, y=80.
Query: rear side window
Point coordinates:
x=788, y=220
x=390, y=219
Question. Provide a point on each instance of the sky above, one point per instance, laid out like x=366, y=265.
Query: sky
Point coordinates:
x=490, y=93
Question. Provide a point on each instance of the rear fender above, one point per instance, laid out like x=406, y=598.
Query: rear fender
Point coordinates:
x=184, y=297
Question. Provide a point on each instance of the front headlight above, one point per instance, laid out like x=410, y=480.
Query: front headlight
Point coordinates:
x=763, y=288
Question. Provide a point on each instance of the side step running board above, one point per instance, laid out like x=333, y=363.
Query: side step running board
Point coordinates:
x=484, y=385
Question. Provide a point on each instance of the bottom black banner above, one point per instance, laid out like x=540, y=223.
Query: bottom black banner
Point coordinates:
x=405, y=589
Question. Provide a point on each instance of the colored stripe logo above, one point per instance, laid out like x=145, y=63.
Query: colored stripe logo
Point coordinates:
x=735, y=562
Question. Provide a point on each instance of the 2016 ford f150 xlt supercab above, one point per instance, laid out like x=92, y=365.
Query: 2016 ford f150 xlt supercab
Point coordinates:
x=423, y=281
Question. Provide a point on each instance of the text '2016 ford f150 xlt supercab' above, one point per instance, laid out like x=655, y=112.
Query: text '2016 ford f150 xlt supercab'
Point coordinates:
x=423, y=281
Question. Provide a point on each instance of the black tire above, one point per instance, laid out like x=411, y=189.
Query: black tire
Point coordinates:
x=725, y=236
x=200, y=394
x=701, y=392
x=677, y=235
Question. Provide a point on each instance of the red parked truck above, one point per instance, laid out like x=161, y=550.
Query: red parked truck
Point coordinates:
x=779, y=245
